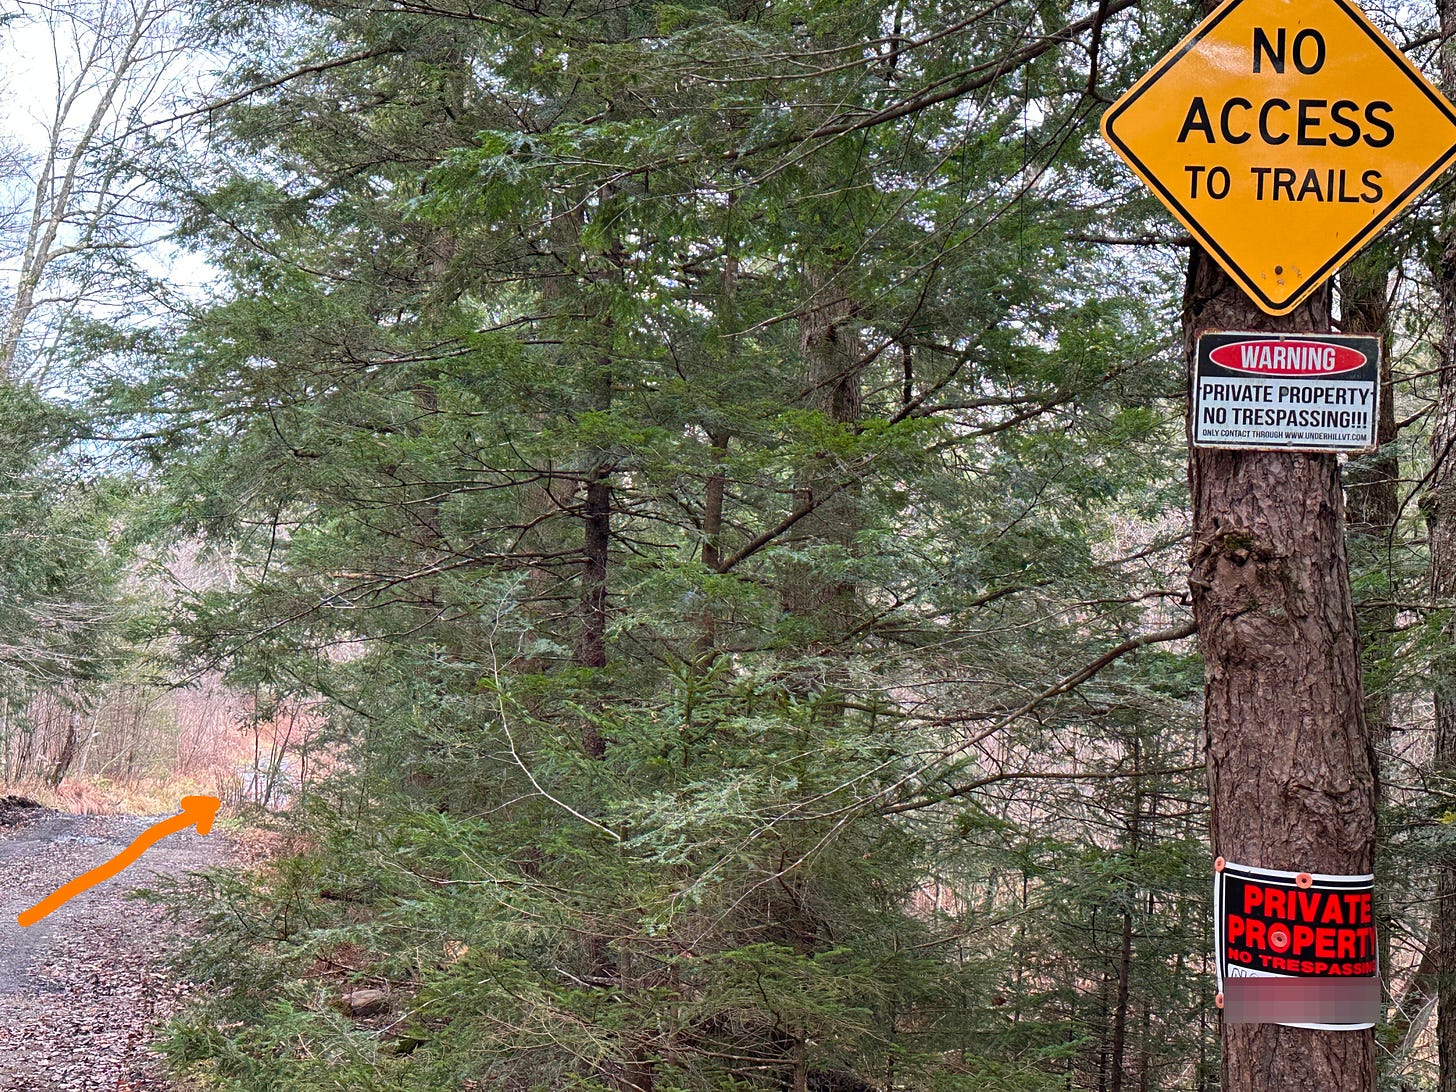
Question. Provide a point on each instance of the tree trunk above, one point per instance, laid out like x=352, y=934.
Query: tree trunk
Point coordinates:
x=591, y=649
x=1119, y=1013
x=591, y=644
x=1124, y=962
x=1103, y=1047
x=68, y=751
x=831, y=352
x=1440, y=509
x=1291, y=773
x=713, y=540
x=1372, y=481
x=91, y=91
x=1372, y=499
x=1441, y=521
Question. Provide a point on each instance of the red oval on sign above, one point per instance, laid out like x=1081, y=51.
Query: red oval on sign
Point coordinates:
x=1274, y=357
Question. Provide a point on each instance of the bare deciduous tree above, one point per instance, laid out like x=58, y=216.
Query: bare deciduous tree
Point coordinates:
x=78, y=202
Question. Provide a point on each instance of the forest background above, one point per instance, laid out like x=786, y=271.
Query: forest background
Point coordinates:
x=675, y=516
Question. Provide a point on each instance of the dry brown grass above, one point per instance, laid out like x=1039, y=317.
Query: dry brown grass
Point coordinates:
x=100, y=796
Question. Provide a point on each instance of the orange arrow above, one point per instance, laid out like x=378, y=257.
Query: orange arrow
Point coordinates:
x=197, y=811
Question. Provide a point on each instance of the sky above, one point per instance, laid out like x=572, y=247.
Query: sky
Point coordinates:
x=43, y=49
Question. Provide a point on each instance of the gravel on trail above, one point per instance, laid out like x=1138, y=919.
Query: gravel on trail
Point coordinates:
x=83, y=991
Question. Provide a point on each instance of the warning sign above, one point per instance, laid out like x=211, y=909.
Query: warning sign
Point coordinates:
x=1316, y=930
x=1286, y=392
x=1284, y=134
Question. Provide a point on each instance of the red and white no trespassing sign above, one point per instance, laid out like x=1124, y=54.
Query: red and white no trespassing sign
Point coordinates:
x=1286, y=392
x=1296, y=948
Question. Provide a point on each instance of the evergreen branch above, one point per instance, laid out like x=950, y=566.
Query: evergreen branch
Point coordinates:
x=1063, y=686
x=972, y=79
x=267, y=85
x=516, y=754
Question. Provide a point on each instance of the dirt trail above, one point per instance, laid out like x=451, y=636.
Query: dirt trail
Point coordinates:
x=82, y=991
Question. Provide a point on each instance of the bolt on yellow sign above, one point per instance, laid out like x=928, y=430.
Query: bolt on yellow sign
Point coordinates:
x=1284, y=134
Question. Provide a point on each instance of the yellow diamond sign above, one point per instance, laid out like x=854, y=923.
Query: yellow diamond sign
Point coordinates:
x=1284, y=134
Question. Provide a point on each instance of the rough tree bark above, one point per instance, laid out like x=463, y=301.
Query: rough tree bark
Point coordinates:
x=1372, y=494
x=1439, y=503
x=1440, y=508
x=591, y=642
x=832, y=365
x=596, y=511
x=1118, y=1047
x=1372, y=501
x=713, y=498
x=832, y=355
x=1291, y=773
x=718, y=439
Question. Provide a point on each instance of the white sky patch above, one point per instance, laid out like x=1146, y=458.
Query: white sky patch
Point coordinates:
x=90, y=75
